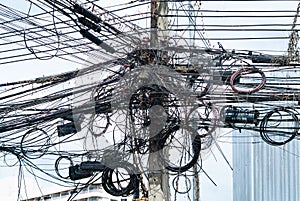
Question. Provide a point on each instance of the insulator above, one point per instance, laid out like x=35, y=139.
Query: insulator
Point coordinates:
x=89, y=24
x=92, y=166
x=75, y=173
x=67, y=129
x=97, y=41
x=86, y=13
x=236, y=115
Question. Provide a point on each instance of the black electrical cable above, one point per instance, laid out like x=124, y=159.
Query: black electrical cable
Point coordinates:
x=115, y=188
x=20, y=112
x=31, y=146
x=175, y=184
x=56, y=33
x=203, y=118
x=196, y=148
x=286, y=135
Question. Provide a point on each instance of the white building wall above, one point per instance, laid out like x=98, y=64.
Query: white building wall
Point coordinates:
x=93, y=192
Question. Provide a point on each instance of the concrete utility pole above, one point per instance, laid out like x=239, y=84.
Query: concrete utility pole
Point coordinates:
x=158, y=177
x=159, y=24
x=196, y=179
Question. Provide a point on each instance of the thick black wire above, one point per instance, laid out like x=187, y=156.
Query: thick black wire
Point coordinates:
x=110, y=186
x=43, y=149
x=264, y=132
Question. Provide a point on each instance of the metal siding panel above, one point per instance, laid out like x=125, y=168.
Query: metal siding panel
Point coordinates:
x=265, y=173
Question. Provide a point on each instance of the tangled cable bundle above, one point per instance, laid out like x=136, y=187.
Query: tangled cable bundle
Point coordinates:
x=203, y=118
x=275, y=128
x=36, y=145
x=57, y=163
x=135, y=99
x=186, y=132
x=247, y=71
x=152, y=106
x=188, y=160
x=122, y=172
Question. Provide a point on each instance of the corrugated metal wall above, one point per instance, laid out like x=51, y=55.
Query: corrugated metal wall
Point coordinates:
x=263, y=172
